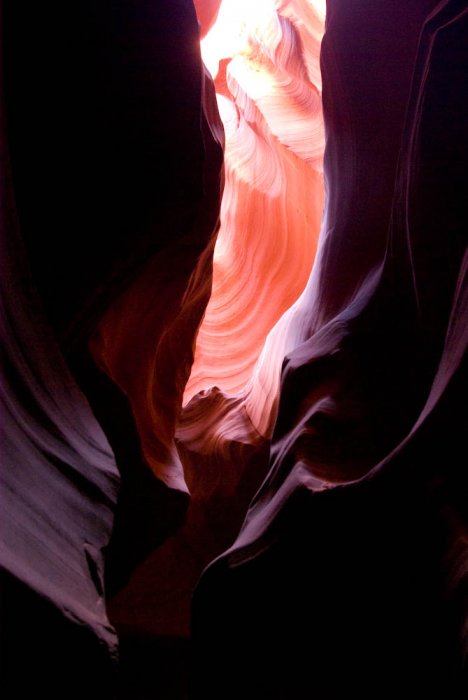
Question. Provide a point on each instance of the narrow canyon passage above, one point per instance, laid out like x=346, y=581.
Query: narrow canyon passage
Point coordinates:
x=234, y=321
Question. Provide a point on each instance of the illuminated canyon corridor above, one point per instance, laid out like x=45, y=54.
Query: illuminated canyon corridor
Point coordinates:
x=234, y=323
x=265, y=65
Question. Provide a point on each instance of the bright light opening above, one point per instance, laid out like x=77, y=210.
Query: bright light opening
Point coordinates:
x=264, y=59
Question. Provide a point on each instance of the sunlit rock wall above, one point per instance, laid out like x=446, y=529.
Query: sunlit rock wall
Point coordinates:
x=265, y=60
x=349, y=573
x=265, y=63
x=338, y=336
x=269, y=94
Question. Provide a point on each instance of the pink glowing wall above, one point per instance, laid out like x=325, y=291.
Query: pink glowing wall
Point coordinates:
x=267, y=79
x=265, y=63
x=235, y=345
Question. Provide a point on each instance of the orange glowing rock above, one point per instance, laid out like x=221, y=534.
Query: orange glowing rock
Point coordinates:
x=265, y=60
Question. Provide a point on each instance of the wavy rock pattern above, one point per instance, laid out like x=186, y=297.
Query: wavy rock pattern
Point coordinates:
x=107, y=241
x=268, y=93
x=267, y=80
x=270, y=218
x=58, y=476
x=353, y=552
x=348, y=575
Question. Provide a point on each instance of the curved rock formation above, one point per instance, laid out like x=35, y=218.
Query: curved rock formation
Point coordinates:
x=350, y=567
x=58, y=483
x=269, y=99
x=271, y=109
x=266, y=68
x=328, y=370
x=104, y=109
x=267, y=78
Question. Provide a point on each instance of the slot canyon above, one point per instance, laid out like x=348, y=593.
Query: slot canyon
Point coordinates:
x=234, y=326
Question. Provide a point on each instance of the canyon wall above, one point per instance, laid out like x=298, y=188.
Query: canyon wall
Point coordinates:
x=234, y=326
